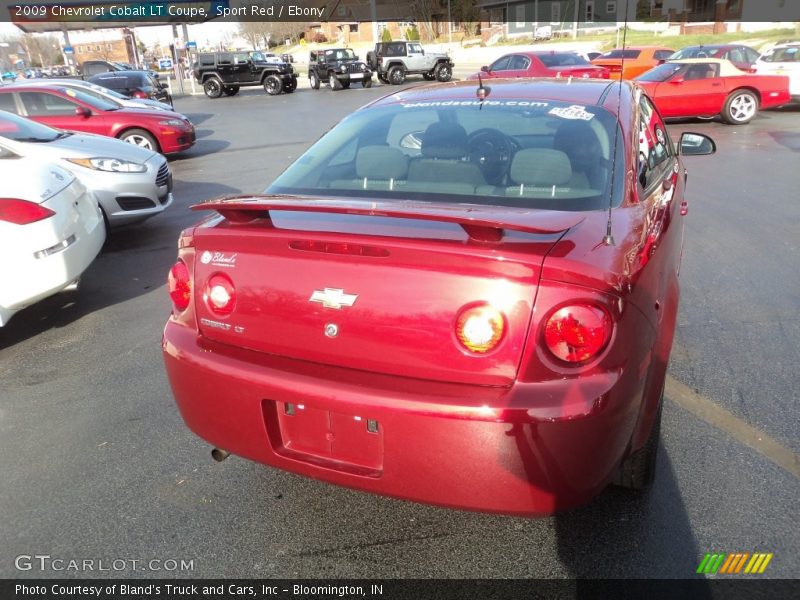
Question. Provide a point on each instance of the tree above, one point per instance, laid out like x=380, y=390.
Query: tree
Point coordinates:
x=254, y=32
x=412, y=34
x=424, y=11
x=466, y=13
x=386, y=36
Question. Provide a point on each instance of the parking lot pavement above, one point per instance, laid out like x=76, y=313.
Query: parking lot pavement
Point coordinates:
x=96, y=462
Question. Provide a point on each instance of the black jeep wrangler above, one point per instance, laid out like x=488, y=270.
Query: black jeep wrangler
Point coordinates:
x=338, y=68
x=225, y=72
x=392, y=61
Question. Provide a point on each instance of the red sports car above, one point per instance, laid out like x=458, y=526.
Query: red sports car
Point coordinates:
x=459, y=295
x=72, y=109
x=541, y=64
x=706, y=87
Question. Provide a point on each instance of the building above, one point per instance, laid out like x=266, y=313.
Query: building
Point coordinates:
x=113, y=45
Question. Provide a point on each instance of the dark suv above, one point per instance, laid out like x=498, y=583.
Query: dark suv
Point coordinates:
x=338, y=68
x=134, y=84
x=225, y=72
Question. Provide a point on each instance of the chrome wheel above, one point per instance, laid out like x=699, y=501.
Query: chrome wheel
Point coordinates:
x=740, y=107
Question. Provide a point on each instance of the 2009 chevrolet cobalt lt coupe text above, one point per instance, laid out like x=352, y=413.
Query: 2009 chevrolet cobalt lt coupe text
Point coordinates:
x=467, y=301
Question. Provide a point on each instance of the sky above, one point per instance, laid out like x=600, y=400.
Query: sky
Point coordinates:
x=202, y=33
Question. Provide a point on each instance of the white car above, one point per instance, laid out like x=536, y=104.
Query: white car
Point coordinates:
x=783, y=59
x=98, y=91
x=51, y=229
x=131, y=183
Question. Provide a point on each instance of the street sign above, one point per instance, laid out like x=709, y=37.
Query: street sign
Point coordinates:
x=191, y=45
x=69, y=50
x=164, y=63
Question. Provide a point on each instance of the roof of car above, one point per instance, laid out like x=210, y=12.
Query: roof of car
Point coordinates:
x=726, y=67
x=580, y=91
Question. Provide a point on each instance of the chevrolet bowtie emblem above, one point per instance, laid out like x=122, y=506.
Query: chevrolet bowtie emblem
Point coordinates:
x=333, y=298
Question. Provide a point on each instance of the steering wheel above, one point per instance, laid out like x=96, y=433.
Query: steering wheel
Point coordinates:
x=492, y=151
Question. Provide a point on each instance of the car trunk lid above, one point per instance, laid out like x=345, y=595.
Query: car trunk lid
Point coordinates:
x=371, y=285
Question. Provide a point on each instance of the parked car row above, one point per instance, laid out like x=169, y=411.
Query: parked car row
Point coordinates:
x=76, y=159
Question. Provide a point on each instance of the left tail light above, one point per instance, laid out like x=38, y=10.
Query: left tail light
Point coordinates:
x=140, y=94
x=179, y=284
x=578, y=332
x=22, y=212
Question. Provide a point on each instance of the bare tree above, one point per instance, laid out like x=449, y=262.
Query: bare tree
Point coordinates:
x=254, y=32
x=424, y=11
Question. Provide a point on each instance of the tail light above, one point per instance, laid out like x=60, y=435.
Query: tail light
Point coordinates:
x=578, y=332
x=220, y=295
x=140, y=94
x=179, y=284
x=480, y=328
x=22, y=212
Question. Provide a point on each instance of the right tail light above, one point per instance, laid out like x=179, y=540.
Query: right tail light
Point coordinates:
x=578, y=332
x=179, y=284
x=22, y=212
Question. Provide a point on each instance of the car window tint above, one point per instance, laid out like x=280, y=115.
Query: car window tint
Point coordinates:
x=750, y=55
x=519, y=63
x=225, y=58
x=622, y=53
x=662, y=54
x=522, y=153
x=7, y=103
x=240, y=58
x=39, y=104
x=501, y=64
x=736, y=55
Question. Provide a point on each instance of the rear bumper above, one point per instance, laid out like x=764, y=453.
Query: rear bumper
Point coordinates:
x=532, y=449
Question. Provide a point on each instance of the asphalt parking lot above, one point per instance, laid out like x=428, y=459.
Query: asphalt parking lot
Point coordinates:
x=97, y=463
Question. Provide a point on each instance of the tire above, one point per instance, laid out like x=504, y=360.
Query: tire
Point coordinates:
x=443, y=72
x=382, y=78
x=367, y=83
x=345, y=84
x=212, y=88
x=273, y=85
x=396, y=75
x=230, y=90
x=334, y=82
x=290, y=86
x=638, y=471
x=141, y=138
x=313, y=80
x=740, y=107
x=429, y=76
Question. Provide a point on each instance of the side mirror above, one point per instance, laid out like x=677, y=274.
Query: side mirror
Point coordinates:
x=485, y=69
x=696, y=144
x=676, y=80
x=82, y=111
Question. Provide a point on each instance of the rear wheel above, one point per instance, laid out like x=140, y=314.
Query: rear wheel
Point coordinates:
x=212, y=88
x=382, y=78
x=639, y=470
x=231, y=90
x=290, y=86
x=313, y=80
x=443, y=72
x=740, y=107
x=273, y=85
x=141, y=138
x=396, y=75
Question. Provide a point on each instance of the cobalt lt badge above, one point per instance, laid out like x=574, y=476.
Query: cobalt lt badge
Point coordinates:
x=333, y=298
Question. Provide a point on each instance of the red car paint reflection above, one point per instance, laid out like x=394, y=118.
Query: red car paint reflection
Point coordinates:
x=440, y=310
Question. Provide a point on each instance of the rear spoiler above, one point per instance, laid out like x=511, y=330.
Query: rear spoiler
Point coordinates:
x=483, y=224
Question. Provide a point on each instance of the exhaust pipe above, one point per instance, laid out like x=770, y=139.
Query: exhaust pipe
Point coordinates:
x=218, y=454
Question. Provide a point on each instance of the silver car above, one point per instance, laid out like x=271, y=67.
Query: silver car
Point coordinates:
x=103, y=92
x=131, y=183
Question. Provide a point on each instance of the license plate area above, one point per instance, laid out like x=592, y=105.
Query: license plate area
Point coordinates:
x=345, y=442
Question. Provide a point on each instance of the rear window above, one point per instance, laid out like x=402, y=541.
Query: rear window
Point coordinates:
x=522, y=153
x=696, y=52
x=622, y=54
x=661, y=72
x=566, y=59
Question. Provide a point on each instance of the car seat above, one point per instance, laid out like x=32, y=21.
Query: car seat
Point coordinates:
x=444, y=153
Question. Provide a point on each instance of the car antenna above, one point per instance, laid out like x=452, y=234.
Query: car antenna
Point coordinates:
x=482, y=92
x=608, y=239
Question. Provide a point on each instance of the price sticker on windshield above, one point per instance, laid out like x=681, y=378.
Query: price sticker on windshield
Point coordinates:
x=572, y=112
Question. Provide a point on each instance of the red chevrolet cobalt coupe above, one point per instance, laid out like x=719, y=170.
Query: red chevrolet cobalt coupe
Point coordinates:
x=455, y=298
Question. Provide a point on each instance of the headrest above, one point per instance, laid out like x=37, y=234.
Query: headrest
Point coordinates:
x=381, y=162
x=540, y=166
x=444, y=140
